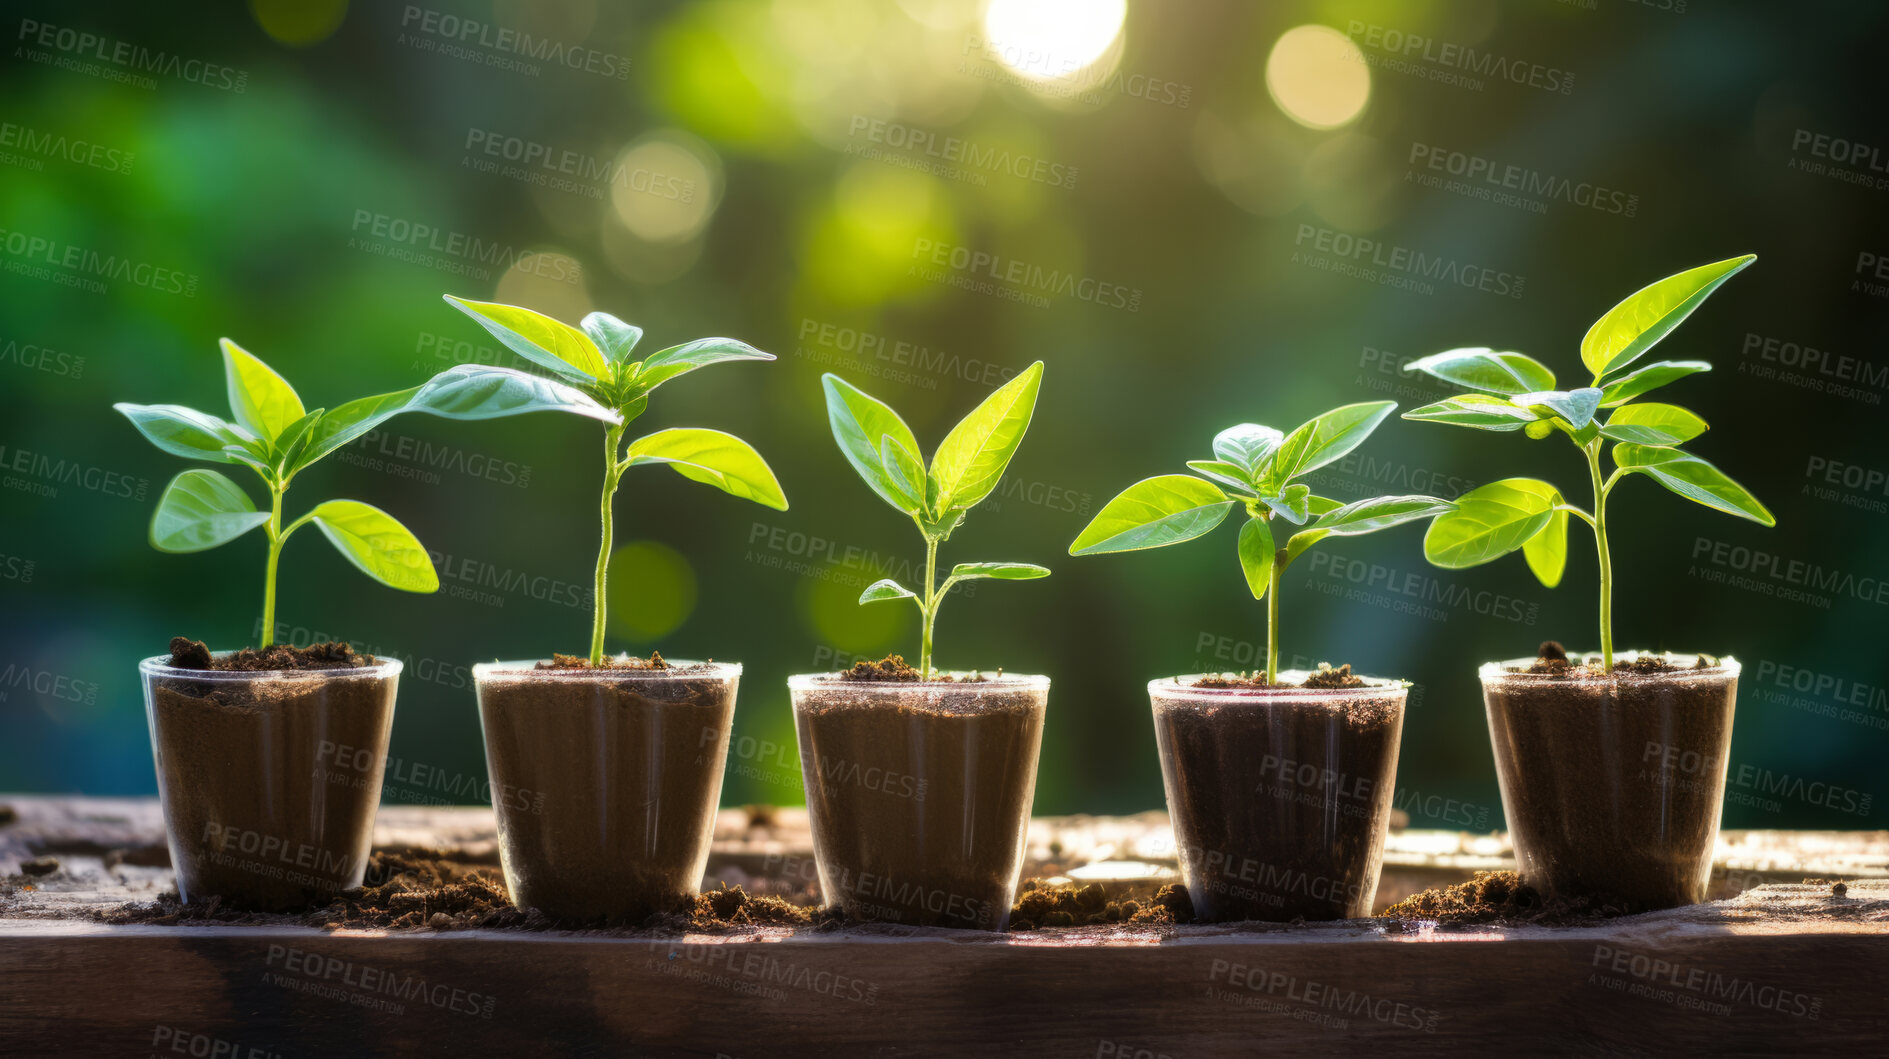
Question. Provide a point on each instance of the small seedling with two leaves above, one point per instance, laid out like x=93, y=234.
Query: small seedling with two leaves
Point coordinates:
x=1516, y=392
x=273, y=435
x=1257, y=468
x=966, y=467
x=594, y=358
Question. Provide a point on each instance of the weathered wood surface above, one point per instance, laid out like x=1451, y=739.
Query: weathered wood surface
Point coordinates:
x=1777, y=969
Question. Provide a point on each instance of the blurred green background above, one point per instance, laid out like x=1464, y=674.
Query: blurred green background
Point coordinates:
x=1163, y=202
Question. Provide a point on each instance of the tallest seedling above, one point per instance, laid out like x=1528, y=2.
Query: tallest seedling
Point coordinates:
x=1518, y=393
x=595, y=359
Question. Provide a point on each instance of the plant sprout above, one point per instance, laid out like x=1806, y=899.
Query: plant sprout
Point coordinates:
x=966, y=467
x=272, y=435
x=594, y=358
x=1518, y=393
x=1257, y=467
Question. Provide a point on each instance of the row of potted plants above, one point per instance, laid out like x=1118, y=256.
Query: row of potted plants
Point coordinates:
x=606, y=770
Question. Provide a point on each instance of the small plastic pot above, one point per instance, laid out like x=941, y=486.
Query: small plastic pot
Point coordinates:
x=605, y=782
x=1613, y=785
x=269, y=780
x=919, y=793
x=1280, y=796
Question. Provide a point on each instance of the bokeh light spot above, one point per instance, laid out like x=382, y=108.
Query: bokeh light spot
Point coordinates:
x=1318, y=77
x=549, y=281
x=299, y=22
x=664, y=187
x=652, y=590
x=843, y=623
x=1049, y=39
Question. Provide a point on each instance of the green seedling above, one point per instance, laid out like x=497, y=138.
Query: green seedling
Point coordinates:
x=966, y=467
x=594, y=358
x=272, y=435
x=1257, y=468
x=1516, y=392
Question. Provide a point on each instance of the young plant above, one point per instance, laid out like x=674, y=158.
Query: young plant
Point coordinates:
x=1257, y=468
x=1518, y=393
x=272, y=435
x=966, y=467
x=594, y=358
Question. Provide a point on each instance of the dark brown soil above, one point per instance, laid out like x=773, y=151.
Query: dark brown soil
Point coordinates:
x=1552, y=660
x=190, y=654
x=1498, y=897
x=1323, y=677
x=605, y=788
x=894, y=669
x=270, y=783
x=1039, y=905
x=1280, y=808
x=919, y=801
x=1613, y=787
x=558, y=661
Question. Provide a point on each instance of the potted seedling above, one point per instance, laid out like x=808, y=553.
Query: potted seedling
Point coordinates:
x=1612, y=765
x=269, y=758
x=1278, y=783
x=919, y=780
x=623, y=755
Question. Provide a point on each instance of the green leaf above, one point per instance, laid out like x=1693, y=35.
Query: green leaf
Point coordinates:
x=1319, y=505
x=1481, y=368
x=202, y=509
x=1649, y=314
x=1256, y=555
x=539, y=339
x=1248, y=446
x=1692, y=478
x=1166, y=509
x=1294, y=503
x=377, y=543
x=885, y=589
x=184, y=431
x=713, y=458
x=612, y=337
x=999, y=571
x=971, y=459
x=1547, y=551
x=1653, y=424
x=859, y=421
x=906, y=474
x=1489, y=522
x=666, y=364
x=1575, y=406
x=259, y=398
x=1225, y=472
x=1474, y=410
x=1325, y=438
x=289, y=444
x=1621, y=388
x=1366, y=516
x=1539, y=429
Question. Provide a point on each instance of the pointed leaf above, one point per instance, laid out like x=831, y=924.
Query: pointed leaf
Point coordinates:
x=1167, y=509
x=1294, y=504
x=713, y=458
x=1489, y=522
x=906, y=474
x=1653, y=423
x=1320, y=505
x=1474, y=410
x=294, y=438
x=183, y=431
x=859, y=421
x=613, y=338
x=1481, y=368
x=1692, y=478
x=539, y=338
x=1619, y=388
x=1225, y=472
x=1248, y=446
x=1326, y=438
x=1256, y=556
x=1575, y=406
x=1649, y=314
x=971, y=459
x=665, y=365
x=885, y=589
x=259, y=398
x=1379, y=513
x=999, y=571
x=1547, y=551
x=202, y=509
x=378, y=544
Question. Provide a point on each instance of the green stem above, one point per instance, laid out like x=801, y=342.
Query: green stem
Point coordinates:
x=1272, y=616
x=612, y=474
x=276, y=537
x=931, y=608
x=1606, y=559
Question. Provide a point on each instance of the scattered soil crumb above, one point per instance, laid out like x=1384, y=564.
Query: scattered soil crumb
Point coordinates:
x=1040, y=905
x=760, y=815
x=192, y=654
x=1552, y=659
x=1490, y=897
x=1322, y=677
x=730, y=907
x=558, y=661
x=1838, y=888
x=39, y=866
x=894, y=669
x=8, y=815
x=1327, y=677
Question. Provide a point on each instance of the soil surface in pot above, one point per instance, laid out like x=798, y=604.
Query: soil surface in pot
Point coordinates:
x=270, y=785
x=605, y=788
x=1280, y=809
x=1613, y=788
x=894, y=669
x=1322, y=677
x=919, y=807
x=1494, y=897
